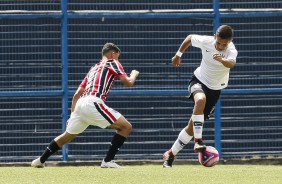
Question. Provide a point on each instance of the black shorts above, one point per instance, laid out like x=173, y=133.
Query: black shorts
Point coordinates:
x=212, y=96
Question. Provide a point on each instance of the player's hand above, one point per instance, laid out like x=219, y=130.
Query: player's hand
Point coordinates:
x=217, y=57
x=134, y=73
x=175, y=61
x=129, y=81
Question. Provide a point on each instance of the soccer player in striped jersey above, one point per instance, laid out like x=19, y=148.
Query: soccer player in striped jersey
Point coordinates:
x=89, y=108
x=218, y=57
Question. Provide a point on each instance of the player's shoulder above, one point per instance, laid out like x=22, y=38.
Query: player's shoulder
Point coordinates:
x=208, y=39
x=231, y=46
x=203, y=38
x=116, y=64
x=115, y=61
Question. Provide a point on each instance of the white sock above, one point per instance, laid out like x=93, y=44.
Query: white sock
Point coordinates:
x=198, y=122
x=181, y=141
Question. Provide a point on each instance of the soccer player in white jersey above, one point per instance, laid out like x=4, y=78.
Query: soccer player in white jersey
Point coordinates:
x=88, y=107
x=218, y=57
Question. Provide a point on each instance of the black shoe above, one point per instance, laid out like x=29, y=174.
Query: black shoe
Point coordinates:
x=199, y=146
x=168, y=159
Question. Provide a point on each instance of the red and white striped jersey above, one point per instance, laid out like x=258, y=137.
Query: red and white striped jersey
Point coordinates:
x=100, y=78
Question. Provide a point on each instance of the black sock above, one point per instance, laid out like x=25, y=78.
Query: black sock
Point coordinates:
x=116, y=143
x=52, y=148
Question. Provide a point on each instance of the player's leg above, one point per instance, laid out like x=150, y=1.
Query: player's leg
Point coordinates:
x=198, y=94
x=204, y=105
x=198, y=120
x=99, y=114
x=74, y=127
x=194, y=127
x=52, y=148
x=187, y=133
x=56, y=144
x=123, y=128
x=181, y=141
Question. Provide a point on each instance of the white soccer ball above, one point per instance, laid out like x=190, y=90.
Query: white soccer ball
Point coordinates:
x=209, y=157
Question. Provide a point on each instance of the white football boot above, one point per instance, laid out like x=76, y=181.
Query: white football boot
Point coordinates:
x=110, y=164
x=199, y=146
x=36, y=163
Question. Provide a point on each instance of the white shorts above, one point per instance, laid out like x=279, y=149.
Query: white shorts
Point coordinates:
x=91, y=110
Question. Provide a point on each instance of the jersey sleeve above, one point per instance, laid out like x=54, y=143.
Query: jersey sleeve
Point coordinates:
x=117, y=69
x=197, y=40
x=84, y=82
x=232, y=54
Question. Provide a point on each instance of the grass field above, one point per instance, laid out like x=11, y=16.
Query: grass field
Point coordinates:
x=194, y=174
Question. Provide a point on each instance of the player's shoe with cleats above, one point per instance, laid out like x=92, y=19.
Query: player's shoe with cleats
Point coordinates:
x=199, y=146
x=110, y=164
x=168, y=159
x=36, y=163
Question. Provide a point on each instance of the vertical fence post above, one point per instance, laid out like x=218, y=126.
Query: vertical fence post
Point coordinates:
x=216, y=22
x=217, y=126
x=64, y=53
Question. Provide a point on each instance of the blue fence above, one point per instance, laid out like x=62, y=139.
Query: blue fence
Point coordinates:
x=46, y=49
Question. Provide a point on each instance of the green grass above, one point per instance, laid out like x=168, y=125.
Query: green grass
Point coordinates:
x=147, y=174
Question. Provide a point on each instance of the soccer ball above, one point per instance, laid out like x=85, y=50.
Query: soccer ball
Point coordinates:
x=209, y=157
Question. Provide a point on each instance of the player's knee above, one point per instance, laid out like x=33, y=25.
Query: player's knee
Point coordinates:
x=200, y=102
x=125, y=129
x=128, y=128
x=122, y=126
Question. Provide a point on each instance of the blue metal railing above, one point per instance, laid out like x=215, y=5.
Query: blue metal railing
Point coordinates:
x=64, y=15
x=65, y=72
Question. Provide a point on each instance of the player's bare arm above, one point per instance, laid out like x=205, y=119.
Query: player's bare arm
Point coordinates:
x=229, y=63
x=75, y=97
x=177, y=58
x=129, y=81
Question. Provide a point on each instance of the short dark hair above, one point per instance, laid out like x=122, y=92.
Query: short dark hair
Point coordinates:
x=110, y=47
x=225, y=32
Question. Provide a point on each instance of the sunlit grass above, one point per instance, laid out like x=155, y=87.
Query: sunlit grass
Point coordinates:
x=194, y=174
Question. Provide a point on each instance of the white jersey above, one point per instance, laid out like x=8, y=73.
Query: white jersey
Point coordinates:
x=211, y=72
